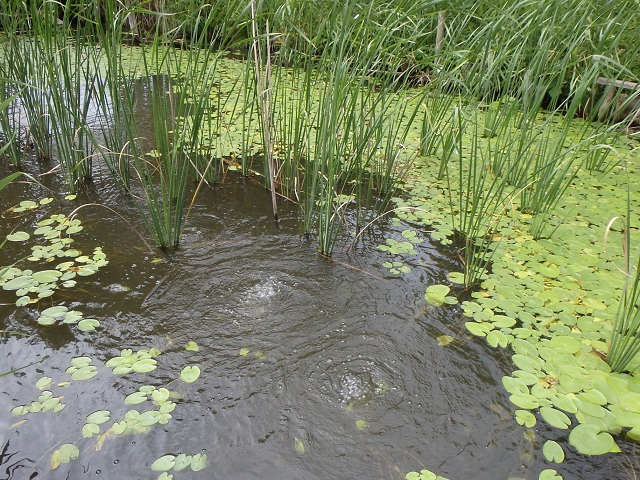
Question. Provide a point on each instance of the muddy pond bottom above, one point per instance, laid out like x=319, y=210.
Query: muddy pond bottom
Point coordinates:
x=311, y=368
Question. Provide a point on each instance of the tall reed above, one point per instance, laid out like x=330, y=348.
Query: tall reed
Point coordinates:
x=625, y=343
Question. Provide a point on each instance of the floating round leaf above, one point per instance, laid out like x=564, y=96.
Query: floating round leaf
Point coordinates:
x=90, y=429
x=165, y=476
x=526, y=418
x=436, y=294
x=43, y=382
x=192, y=346
x=555, y=418
x=24, y=281
x=135, y=398
x=182, y=461
x=99, y=417
x=64, y=454
x=564, y=344
x=496, y=337
x=164, y=463
x=160, y=396
x=119, y=427
x=46, y=321
x=589, y=439
x=524, y=401
x=478, y=329
x=84, y=373
x=18, y=236
x=553, y=452
x=515, y=386
x=46, y=276
x=549, y=474
x=190, y=374
x=145, y=365
x=198, y=462
x=148, y=418
x=88, y=324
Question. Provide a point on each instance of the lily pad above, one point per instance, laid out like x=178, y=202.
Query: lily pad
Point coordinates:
x=99, y=417
x=589, y=439
x=525, y=418
x=198, y=462
x=437, y=295
x=190, y=374
x=549, y=474
x=18, y=236
x=164, y=463
x=553, y=452
x=555, y=418
x=64, y=454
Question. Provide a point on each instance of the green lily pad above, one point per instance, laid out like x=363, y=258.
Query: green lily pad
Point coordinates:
x=46, y=276
x=190, y=374
x=478, y=329
x=64, y=454
x=160, y=396
x=298, y=445
x=43, y=382
x=515, y=386
x=437, y=295
x=192, y=346
x=565, y=344
x=99, y=417
x=145, y=365
x=198, y=462
x=18, y=236
x=182, y=461
x=525, y=418
x=444, y=340
x=549, y=474
x=90, y=429
x=525, y=401
x=119, y=427
x=88, y=324
x=555, y=418
x=589, y=439
x=23, y=281
x=553, y=452
x=83, y=373
x=164, y=463
x=496, y=337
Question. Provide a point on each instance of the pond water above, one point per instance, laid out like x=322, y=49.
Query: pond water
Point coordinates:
x=312, y=368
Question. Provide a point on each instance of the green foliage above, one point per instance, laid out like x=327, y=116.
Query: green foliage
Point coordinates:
x=625, y=343
x=423, y=475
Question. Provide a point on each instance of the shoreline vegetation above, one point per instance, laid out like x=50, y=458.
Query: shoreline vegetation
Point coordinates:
x=501, y=130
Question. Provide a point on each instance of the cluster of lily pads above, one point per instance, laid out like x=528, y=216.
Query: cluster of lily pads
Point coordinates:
x=552, y=301
x=400, y=248
x=159, y=400
x=31, y=286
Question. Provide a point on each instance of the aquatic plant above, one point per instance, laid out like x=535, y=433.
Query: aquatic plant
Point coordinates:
x=478, y=200
x=625, y=345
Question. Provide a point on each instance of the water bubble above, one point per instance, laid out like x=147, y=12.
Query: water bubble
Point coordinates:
x=98, y=472
x=116, y=461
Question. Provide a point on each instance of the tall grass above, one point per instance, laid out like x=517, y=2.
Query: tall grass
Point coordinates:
x=625, y=345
